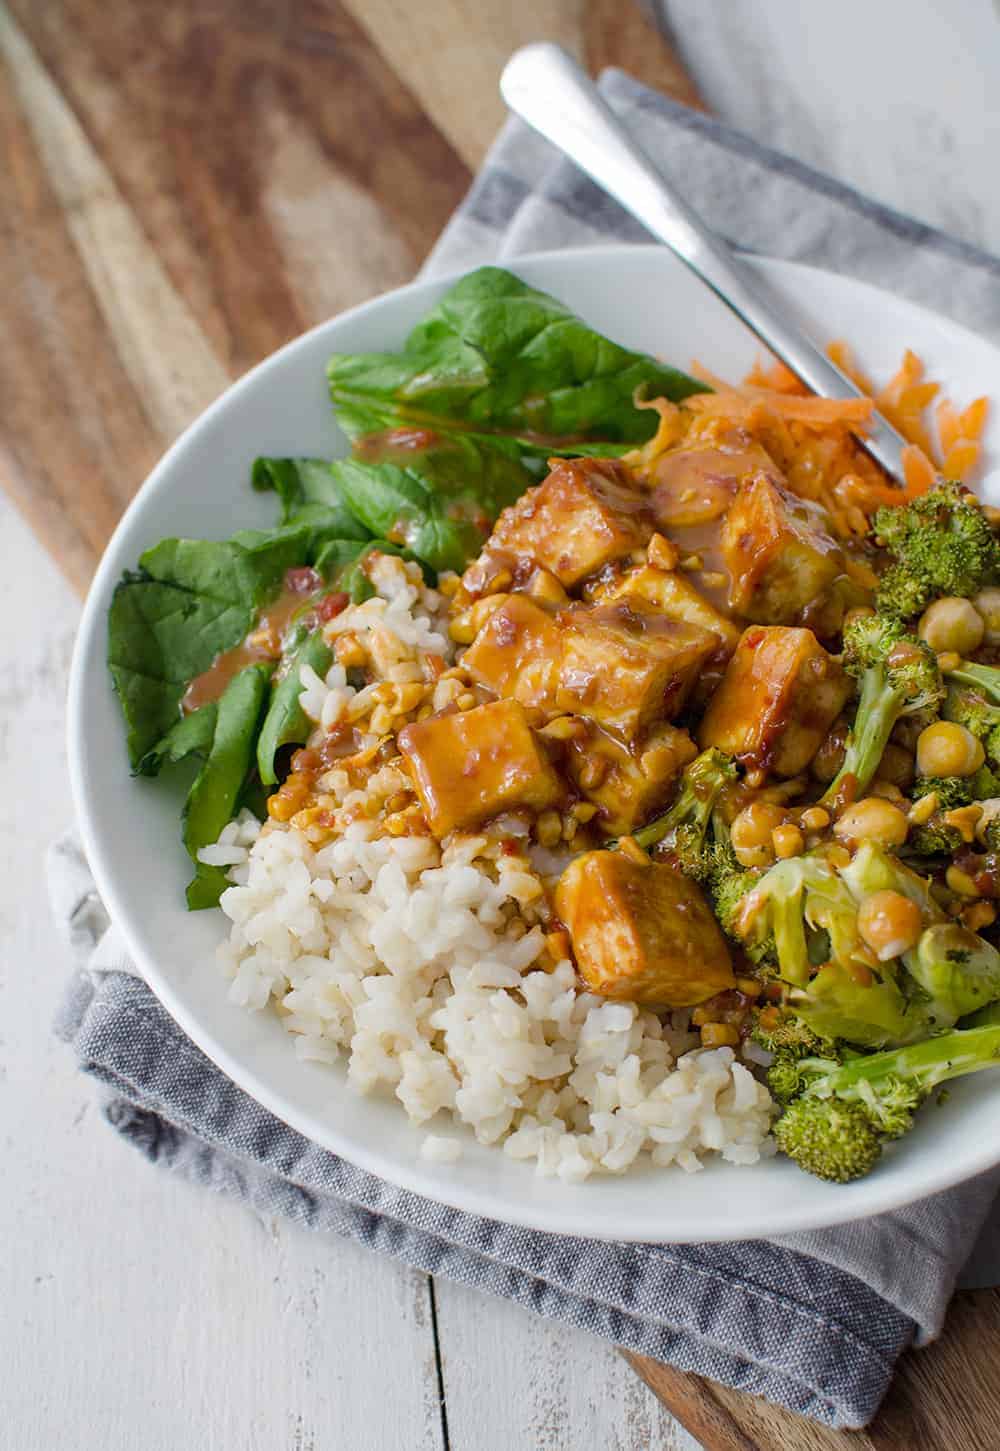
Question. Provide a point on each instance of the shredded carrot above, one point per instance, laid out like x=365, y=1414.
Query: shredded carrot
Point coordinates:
x=949, y=425
x=777, y=377
x=839, y=353
x=960, y=458
x=974, y=418
x=817, y=443
x=919, y=474
x=669, y=430
x=815, y=412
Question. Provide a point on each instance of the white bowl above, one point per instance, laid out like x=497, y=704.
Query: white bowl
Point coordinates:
x=642, y=297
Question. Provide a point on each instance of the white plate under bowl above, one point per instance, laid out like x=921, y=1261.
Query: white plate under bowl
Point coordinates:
x=641, y=297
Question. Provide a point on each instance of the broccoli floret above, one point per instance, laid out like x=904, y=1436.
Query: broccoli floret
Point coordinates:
x=852, y=998
x=932, y=838
x=898, y=676
x=941, y=544
x=951, y=791
x=789, y=1040
x=779, y=1031
x=968, y=706
x=864, y=1006
x=832, y=1140
x=837, y=1125
x=935, y=837
x=984, y=784
x=958, y=970
x=785, y=1078
x=682, y=832
x=802, y=912
x=728, y=882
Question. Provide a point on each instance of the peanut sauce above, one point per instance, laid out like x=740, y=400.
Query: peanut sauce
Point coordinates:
x=264, y=640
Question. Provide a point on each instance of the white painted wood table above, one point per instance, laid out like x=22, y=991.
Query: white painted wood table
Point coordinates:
x=140, y=1314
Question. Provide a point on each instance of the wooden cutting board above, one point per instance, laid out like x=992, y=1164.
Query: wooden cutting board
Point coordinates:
x=187, y=186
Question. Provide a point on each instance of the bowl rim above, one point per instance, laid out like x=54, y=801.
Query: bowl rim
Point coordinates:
x=878, y=1195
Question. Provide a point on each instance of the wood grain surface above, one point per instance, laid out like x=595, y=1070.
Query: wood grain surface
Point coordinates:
x=187, y=186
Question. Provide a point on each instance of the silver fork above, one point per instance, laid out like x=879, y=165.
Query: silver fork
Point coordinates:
x=546, y=87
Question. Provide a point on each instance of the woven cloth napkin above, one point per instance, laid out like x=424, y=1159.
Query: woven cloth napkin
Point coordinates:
x=814, y=1322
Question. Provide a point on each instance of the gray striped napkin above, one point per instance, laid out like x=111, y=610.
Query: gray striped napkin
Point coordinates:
x=814, y=1322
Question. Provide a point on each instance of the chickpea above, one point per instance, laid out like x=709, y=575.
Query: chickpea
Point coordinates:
x=952, y=624
x=947, y=749
x=890, y=923
x=987, y=602
x=886, y=790
x=751, y=833
x=787, y=841
x=872, y=819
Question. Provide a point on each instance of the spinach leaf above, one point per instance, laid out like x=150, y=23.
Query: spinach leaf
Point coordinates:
x=190, y=600
x=439, y=502
x=401, y=504
x=312, y=529
x=337, y=554
x=286, y=722
x=190, y=735
x=308, y=492
x=500, y=356
x=213, y=799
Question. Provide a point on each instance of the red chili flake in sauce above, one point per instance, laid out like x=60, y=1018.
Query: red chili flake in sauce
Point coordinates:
x=303, y=580
x=332, y=605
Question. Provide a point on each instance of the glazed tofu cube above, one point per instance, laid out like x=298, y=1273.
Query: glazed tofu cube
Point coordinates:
x=470, y=765
x=674, y=596
x=779, y=696
x=587, y=513
x=627, y=787
x=641, y=932
x=516, y=653
x=625, y=665
x=778, y=551
x=695, y=485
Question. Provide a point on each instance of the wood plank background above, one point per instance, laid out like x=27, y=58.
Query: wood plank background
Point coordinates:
x=187, y=186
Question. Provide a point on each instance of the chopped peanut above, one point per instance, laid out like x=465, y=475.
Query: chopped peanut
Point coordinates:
x=719, y=1035
x=964, y=819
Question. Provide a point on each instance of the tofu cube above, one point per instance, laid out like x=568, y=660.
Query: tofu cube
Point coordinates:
x=516, y=653
x=627, y=786
x=470, y=765
x=779, y=554
x=625, y=665
x=778, y=699
x=641, y=932
x=586, y=514
x=692, y=486
x=676, y=597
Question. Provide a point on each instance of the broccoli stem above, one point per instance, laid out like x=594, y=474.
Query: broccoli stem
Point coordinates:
x=924, y=1065
x=879, y=707
x=691, y=812
x=791, y=944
